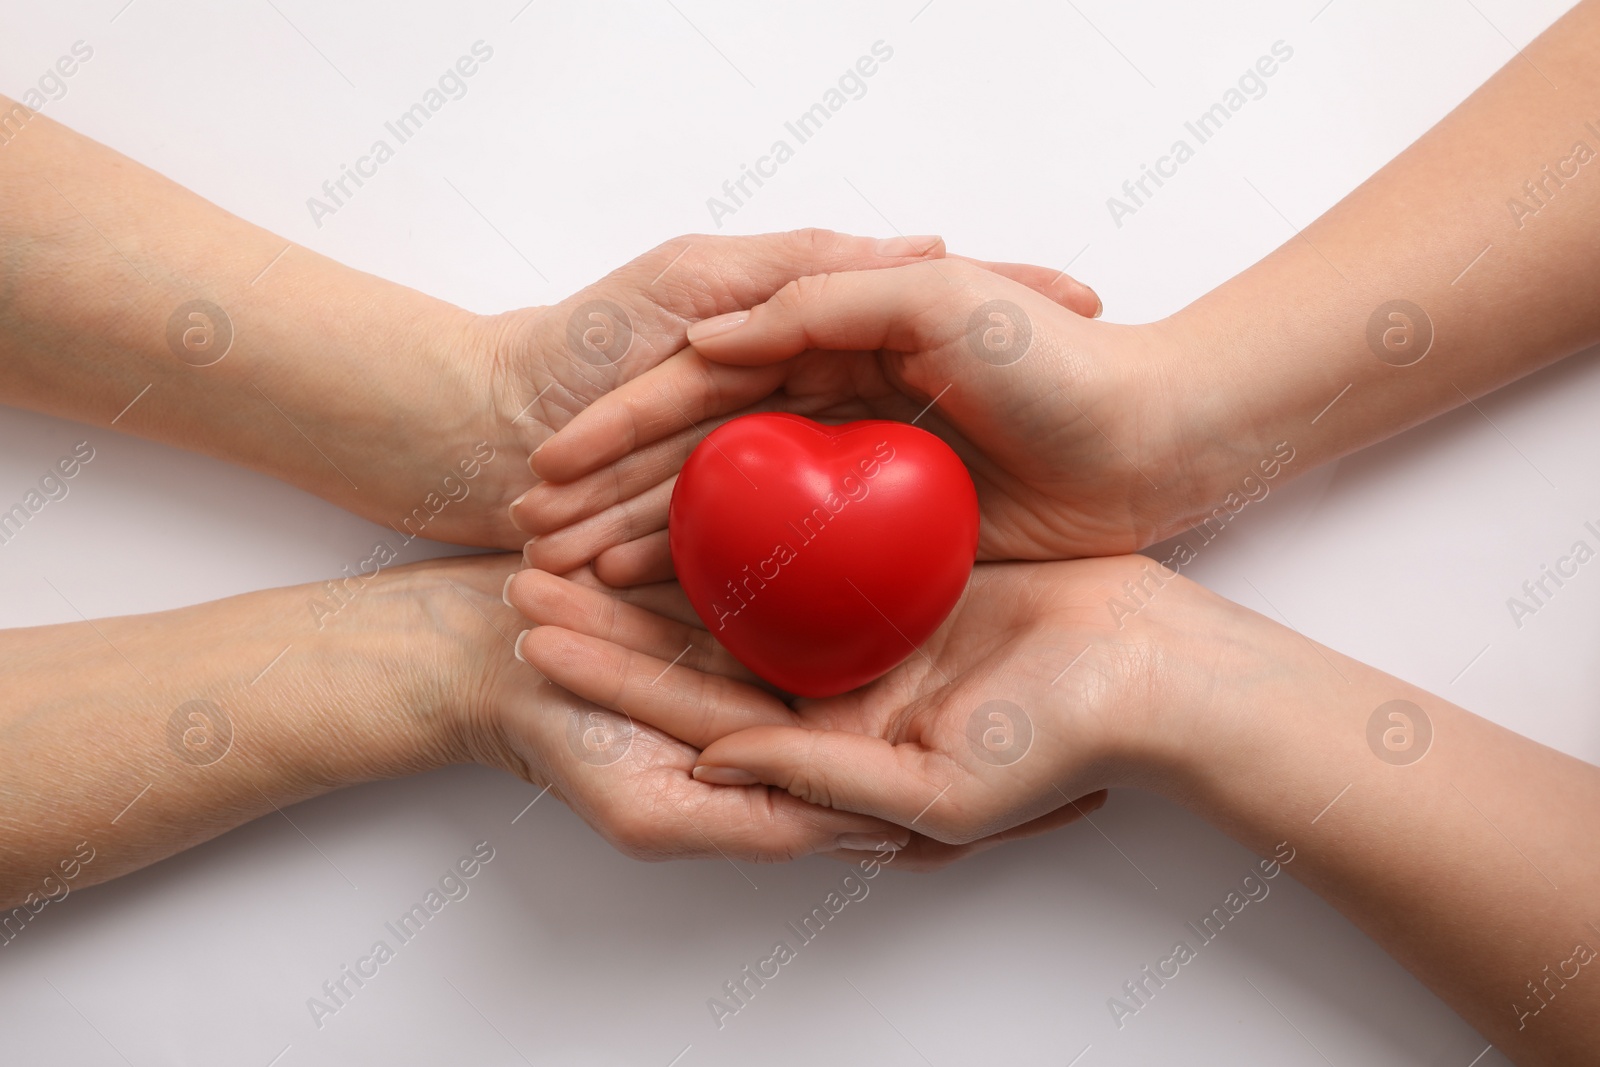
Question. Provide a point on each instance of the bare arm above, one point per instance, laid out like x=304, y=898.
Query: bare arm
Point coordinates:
x=1465, y=263
x=1463, y=849
x=127, y=300
x=126, y=740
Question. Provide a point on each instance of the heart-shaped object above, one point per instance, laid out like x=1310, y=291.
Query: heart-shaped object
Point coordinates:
x=821, y=556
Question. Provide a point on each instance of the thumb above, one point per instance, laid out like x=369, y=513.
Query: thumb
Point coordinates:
x=1057, y=285
x=904, y=784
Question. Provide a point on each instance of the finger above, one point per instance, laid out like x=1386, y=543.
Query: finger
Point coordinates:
x=549, y=506
x=643, y=305
x=923, y=853
x=676, y=697
x=645, y=560
x=1058, y=285
x=637, y=793
x=754, y=823
x=546, y=600
x=666, y=599
x=697, y=275
x=840, y=769
x=575, y=545
x=674, y=397
x=907, y=309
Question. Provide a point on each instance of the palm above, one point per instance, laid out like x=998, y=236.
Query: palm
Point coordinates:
x=628, y=780
x=1052, y=483
x=1059, y=442
x=970, y=714
x=1011, y=639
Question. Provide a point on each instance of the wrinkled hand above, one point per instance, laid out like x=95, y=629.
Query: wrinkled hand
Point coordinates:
x=1025, y=705
x=1077, y=433
x=509, y=381
x=629, y=781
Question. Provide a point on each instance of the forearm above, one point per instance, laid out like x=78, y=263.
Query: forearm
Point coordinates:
x=1463, y=849
x=1502, y=270
x=141, y=736
x=327, y=368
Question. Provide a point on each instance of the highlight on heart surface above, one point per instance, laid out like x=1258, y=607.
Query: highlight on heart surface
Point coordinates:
x=822, y=556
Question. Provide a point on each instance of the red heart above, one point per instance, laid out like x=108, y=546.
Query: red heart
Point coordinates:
x=821, y=556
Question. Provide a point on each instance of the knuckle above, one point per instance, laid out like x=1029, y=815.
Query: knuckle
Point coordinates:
x=797, y=295
x=775, y=842
x=671, y=249
x=702, y=655
x=814, y=244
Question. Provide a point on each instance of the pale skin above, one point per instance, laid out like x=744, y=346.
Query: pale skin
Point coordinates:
x=1222, y=710
x=1132, y=451
x=371, y=395
x=416, y=673
x=1106, y=438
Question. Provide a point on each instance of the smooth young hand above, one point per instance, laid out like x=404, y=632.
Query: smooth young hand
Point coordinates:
x=1026, y=703
x=1081, y=436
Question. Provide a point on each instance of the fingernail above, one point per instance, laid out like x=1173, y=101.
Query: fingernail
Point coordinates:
x=516, y=646
x=873, y=842
x=527, y=552
x=717, y=324
x=511, y=511
x=908, y=246
x=1099, y=305
x=505, y=590
x=724, y=776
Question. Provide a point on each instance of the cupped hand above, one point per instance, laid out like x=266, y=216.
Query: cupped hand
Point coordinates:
x=1077, y=433
x=529, y=371
x=628, y=780
x=1032, y=698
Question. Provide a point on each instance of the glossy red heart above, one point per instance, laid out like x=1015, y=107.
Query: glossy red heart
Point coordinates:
x=821, y=556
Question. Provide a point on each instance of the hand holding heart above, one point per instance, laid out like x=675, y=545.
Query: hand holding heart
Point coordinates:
x=1061, y=422
x=1083, y=438
x=1021, y=707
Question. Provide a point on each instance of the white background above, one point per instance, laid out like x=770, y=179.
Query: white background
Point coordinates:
x=590, y=136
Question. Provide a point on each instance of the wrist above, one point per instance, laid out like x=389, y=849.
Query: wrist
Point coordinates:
x=371, y=391
x=463, y=681
x=1223, y=445
x=1200, y=676
x=359, y=390
x=1251, y=707
x=375, y=687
